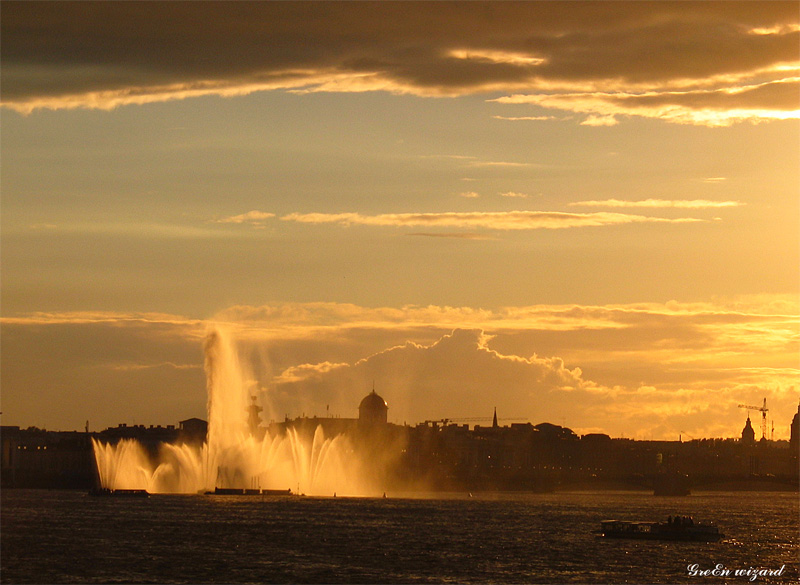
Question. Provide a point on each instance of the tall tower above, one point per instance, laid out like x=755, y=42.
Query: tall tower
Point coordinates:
x=253, y=417
x=794, y=438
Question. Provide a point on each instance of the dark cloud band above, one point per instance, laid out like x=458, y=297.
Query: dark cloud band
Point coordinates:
x=100, y=54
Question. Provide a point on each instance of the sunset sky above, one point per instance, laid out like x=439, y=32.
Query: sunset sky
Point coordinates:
x=580, y=213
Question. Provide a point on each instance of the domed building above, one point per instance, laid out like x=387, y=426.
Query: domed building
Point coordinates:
x=373, y=409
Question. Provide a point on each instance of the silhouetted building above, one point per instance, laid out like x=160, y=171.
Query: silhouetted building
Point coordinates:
x=193, y=431
x=378, y=444
x=373, y=409
x=150, y=437
x=36, y=458
x=748, y=434
x=442, y=455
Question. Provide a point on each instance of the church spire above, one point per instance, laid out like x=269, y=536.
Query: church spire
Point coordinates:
x=748, y=434
x=494, y=419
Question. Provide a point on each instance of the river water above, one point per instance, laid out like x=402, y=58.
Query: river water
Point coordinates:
x=69, y=537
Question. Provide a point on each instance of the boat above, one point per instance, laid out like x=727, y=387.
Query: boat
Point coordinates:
x=108, y=492
x=679, y=528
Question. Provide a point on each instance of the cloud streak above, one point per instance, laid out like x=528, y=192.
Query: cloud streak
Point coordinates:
x=251, y=217
x=774, y=100
x=458, y=236
x=492, y=220
x=688, y=62
x=659, y=203
x=500, y=220
x=525, y=118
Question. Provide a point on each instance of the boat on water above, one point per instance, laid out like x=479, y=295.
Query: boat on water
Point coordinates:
x=119, y=493
x=679, y=528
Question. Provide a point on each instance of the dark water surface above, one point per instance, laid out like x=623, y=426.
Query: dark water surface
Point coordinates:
x=68, y=537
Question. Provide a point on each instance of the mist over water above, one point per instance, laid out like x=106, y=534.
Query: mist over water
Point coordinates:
x=235, y=455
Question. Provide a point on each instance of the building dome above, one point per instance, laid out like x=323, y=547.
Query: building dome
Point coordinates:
x=373, y=409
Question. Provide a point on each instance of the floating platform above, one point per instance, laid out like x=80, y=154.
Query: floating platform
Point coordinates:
x=248, y=492
x=107, y=492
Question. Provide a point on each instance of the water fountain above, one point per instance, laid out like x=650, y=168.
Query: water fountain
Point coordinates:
x=234, y=456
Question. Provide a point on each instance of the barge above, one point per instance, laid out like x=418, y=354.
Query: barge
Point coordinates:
x=679, y=528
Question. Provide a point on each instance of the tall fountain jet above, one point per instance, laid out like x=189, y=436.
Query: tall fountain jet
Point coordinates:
x=238, y=453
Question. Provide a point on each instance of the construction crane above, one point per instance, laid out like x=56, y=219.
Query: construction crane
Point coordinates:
x=763, y=410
